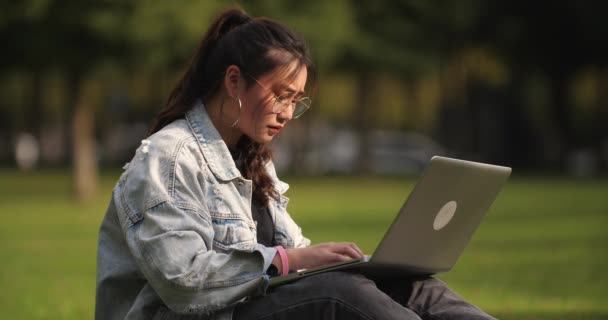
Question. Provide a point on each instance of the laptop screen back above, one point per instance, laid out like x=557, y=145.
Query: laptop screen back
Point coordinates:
x=438, y=219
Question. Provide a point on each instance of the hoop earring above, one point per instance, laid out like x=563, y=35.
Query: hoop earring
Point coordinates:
x=238, y=117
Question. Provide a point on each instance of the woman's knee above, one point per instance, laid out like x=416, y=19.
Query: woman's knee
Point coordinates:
x=430, y=291
x=331, y=295
x=345, y=287
x=353, y=293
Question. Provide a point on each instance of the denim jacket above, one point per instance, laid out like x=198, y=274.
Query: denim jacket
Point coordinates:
x=178, y=240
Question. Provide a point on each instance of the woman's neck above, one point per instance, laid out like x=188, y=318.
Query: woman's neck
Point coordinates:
x=230, y=135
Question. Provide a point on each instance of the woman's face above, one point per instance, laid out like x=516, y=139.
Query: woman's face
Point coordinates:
x=260, y=119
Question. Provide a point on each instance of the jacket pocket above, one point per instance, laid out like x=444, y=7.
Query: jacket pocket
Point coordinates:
x=232, y=233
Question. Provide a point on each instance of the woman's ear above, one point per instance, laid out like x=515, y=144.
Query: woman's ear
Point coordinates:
x=232, y=80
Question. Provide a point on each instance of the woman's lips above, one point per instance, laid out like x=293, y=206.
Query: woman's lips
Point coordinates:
x=274, y=129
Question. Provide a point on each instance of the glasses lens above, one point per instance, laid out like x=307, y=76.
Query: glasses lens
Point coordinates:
x=301, y=106
x=280, y=104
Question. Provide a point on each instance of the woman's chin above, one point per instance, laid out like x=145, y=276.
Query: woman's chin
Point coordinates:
x=262, y=139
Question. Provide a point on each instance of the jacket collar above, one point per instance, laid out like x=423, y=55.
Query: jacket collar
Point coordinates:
x=216, y=151
x=279, y=185
x=211, y=143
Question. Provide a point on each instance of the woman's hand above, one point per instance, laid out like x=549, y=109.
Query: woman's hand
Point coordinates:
x=322, y=254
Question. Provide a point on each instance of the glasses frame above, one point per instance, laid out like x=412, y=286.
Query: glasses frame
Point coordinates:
x=303, y=102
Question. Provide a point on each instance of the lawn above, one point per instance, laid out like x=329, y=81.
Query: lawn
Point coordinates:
x=541, y=253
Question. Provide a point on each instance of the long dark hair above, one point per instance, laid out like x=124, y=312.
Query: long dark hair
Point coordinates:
x=257, y=46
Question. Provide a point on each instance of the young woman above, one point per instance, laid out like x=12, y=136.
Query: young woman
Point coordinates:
x=197, y=223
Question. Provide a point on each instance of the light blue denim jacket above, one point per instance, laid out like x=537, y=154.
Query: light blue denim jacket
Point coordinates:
x=178, y=240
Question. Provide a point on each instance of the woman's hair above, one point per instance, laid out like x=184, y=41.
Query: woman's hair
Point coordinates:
x=257, y=46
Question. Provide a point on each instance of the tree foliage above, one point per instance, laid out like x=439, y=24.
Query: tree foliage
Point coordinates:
x=405, y=40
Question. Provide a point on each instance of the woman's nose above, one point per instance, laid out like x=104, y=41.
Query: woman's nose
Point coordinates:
x=287, y=113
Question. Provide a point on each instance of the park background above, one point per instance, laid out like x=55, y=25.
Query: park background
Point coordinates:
x=516, y=83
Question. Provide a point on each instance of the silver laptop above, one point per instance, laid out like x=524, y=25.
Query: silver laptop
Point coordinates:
x=434, y=225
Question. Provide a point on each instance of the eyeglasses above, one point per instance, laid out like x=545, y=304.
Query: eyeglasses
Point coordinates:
x=281, y=102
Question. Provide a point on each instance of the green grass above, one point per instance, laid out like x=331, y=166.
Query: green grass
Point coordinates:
x=541, y=253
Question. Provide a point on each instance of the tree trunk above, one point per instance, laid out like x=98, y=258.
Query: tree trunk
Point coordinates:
x=601, y=139
x=362, y=119
x=84, y=164
x=508, y=135
x=35, y=114
x=453, y=127
x=562, y=111
x=412, y=105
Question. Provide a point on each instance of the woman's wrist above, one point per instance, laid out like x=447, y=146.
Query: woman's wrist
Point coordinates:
x=281, y=260
x=293, y=259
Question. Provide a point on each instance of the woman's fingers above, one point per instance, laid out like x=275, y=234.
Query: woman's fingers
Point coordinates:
x=349, y=252
x=336, y=257
x=356, y=249
x=349, y=249
x=323, y=253
x=360, y=251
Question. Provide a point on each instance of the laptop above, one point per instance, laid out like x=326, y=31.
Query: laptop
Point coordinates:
x=434, y=225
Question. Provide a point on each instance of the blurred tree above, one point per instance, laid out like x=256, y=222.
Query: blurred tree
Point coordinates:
x=392, y=40
x=75, y=37
x=556, y=39
x=79, y=38
x=402, y=38
x=162, y=35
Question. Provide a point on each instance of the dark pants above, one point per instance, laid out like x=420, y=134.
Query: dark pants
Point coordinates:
x=341, y=295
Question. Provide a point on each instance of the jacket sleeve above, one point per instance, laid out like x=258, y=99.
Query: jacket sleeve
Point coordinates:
x=296, y=238
x=171, y=245
x=287, y=232
x=170, y=233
